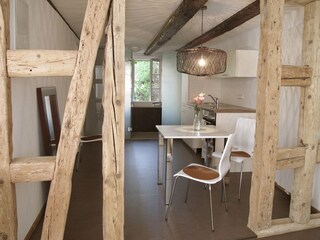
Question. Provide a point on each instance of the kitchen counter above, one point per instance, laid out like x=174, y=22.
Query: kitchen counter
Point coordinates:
x=224, y=108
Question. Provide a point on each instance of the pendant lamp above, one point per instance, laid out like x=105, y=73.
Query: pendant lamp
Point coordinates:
x=201, y=61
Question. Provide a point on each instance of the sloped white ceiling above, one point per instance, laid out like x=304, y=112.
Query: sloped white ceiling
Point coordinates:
x=144, y=18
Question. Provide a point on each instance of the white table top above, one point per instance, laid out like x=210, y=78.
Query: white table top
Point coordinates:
x=186, y=131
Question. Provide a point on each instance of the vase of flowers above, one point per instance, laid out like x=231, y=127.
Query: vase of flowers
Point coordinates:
x=198, y=101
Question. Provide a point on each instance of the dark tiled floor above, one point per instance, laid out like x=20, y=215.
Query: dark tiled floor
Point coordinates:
x=144, y=208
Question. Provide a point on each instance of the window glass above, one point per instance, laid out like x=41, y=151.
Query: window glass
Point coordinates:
x=146, y=82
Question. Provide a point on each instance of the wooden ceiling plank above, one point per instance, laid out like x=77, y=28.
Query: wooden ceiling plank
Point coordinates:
x=232, y=22
x=186, y=10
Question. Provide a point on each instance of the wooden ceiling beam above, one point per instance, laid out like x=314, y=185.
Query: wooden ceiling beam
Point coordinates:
x=186, y=10
x=300, y=2
x=232, y=22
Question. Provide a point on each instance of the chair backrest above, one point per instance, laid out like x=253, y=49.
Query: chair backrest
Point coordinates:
x=224, y=164
x=245, y=130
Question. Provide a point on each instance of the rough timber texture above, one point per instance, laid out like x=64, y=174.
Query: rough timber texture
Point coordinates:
x=266, y=138
x=37, y=63
x=113, y=125
x=186, y=10
x=80, y=88
x=32, y=169
x=296, y=76
x=300, y=2
x=232, y=22
x=309, y=120
x=290, y=157
x=8, y=215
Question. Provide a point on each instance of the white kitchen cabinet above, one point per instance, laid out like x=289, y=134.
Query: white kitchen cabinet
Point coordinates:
x=241, y=63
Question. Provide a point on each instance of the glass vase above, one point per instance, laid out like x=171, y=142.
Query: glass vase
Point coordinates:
x=197, y=120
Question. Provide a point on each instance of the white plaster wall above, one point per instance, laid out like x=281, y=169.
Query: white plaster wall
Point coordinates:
x=35, y=25
x=208, y=85
x=170, y=90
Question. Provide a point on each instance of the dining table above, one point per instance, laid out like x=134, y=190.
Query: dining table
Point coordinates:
x=167, y=133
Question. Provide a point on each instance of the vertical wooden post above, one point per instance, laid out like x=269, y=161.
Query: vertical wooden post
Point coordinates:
x=113, y=125
x=8, y=215
x=266, y=139
x=73, y=119
x=309, y=118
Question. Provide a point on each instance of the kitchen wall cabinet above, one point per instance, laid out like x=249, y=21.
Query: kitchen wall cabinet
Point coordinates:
x=240, y=63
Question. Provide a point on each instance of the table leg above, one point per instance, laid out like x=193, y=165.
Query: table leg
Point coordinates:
x=169, y=177
x=160, y=159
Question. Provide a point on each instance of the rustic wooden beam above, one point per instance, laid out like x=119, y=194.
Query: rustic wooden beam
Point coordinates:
x=289, y=72
x=113, y=125
x=186, y=10
x=267, y=115
x=297, y=76
x=6, y=16
x=232, y=22
x=73, y=119
x=300, y=2
x=318, y=155
x=285, y=153
x=295, y=82
x=302, y=187
x=290, y=163
x=8, y=214
x=285, y=225
x=32, y=169
x=41, y=63
x=290, y=157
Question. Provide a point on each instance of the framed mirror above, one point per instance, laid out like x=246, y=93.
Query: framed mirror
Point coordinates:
x=49, y=119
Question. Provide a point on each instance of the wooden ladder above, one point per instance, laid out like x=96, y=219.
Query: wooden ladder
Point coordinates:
x=78, y=64
x=267, y=157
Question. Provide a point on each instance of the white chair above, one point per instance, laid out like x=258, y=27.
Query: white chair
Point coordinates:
x=243, y=144
x=206, y=175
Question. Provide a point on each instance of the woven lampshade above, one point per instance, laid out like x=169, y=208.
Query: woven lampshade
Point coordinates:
x=201, y=61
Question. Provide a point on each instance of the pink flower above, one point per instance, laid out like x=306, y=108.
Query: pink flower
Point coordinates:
x=198, y=100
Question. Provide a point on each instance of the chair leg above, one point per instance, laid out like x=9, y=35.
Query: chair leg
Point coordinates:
x=211, y=211
x=187, y=192
x=171, y=197
x=225, y=194
x=222, y=193
x=240, y=182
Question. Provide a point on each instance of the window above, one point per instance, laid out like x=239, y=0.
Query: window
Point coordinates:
x=146, y=81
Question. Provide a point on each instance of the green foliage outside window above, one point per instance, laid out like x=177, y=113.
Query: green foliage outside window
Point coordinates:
x=146, y=82
x=142, y=81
